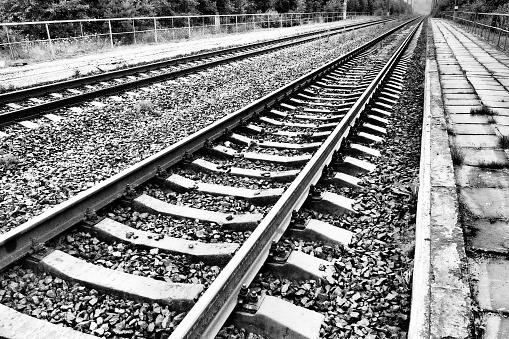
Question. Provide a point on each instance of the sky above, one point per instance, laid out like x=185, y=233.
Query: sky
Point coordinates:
x=422, y=6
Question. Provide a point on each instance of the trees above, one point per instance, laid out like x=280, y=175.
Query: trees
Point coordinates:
x=36, y=10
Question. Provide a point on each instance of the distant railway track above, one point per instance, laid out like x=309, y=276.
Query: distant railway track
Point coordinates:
x=35, y=101
x=282, y=144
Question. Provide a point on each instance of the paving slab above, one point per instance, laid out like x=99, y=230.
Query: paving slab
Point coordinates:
x=502, y=120
x=481, y=129
x=460, y=96
x=474, y=156
x=462, y=109
x=483, y=141
x=493, y=285
x=455, y=84
x=489, y=236
x=502, y=130
x=472, y=176
x=497, y=327
x=486, y=202
x=469, y=90
x=458, y=101
x=462, y=118
x=497, y=104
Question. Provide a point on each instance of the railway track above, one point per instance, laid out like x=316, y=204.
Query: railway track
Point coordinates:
x=35, y=101
x=332, y=116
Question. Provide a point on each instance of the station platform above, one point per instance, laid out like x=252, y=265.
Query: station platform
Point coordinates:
x=461, y=275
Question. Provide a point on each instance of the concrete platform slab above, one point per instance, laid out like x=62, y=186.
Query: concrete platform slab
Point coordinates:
x=496, y=327
x=502, y=120
x=455, y=84
x=476, y=157
x=502, y=130
x=489, y=236
x=461, y=102
x=461, y=109
x=486, y=202
x=497, y=104
x=481, y=129
x=483, y=141
x=472, y=176
x=460, y=96
x=458, y=90
x=468, y=119
x=493, y=285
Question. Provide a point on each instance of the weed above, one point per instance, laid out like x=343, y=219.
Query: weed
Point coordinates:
x=504, y=141
x=144, y=106
x=483, y=110
x=493, y=164
x=147, y=107
x=457, y=155
x=491, y=120
x=8, y=160
x=450, y=130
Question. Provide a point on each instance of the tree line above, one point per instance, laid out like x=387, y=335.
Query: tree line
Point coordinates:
x=478, y=6
x=40, y=10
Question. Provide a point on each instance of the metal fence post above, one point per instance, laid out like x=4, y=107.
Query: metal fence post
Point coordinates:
x=50, y=42
x=188, y=27
x=111, y=33
x=236, y=24
x=134, y=32
x=155, y=30
x=81, y=28
x=172, y=30
x=9, y=41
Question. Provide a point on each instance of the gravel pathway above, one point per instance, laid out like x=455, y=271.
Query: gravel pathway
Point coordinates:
x=42, y=167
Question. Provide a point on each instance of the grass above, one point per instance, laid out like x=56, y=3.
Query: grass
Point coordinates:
x=450, y=130
x=457, y=155
x=504, y=141
x=493, y=164
x=483, y=110
x=144, y=106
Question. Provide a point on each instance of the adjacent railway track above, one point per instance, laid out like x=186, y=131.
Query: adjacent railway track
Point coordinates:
x=31, y=102
x=328, y=118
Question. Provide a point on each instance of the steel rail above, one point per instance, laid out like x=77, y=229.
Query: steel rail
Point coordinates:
x=39, y=90
x=27, y=112
x=17, y=242
x=205, y=319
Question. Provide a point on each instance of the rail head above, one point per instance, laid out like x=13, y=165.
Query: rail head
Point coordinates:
x=27, y=112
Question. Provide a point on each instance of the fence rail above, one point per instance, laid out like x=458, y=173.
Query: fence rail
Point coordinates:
x=124, y=31
x=494, y=27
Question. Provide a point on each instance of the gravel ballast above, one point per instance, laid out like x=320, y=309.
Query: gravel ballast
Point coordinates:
x=49, y=164
x=370, y=295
